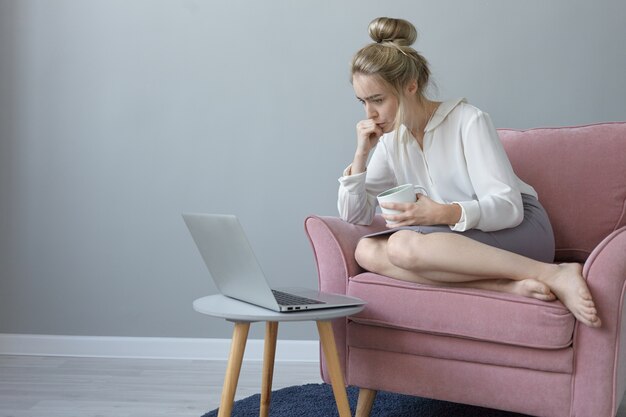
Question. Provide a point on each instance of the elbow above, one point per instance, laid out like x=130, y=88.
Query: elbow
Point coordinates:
x=501, y=216
x=358, y=220
x=517, y=219
x=354, y=217
x=360, y=215
x=364, y=222
x=345, y=214
x=518, y=211
x=516, y=216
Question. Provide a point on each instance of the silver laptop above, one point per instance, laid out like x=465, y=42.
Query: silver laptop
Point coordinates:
x=237, y=273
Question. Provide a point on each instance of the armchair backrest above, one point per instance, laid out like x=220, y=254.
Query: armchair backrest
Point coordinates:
x=580, y=176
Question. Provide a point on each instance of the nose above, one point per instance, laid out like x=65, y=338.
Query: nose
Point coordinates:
x=370, y=111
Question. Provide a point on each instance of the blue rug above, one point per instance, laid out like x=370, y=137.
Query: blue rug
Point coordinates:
x=317, y=400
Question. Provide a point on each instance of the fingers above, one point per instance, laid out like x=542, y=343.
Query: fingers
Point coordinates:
x=403, y=212
x=368, y=133
x=368, y=124
x=397, y=206
x=392, y=221
x=408, y=214
x=396, y=221
x=405, y=206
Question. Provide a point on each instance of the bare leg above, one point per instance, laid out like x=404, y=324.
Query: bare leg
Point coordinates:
x=452, y=259
x=372, y=255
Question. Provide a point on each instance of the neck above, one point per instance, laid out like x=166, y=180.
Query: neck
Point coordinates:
x=422, y=112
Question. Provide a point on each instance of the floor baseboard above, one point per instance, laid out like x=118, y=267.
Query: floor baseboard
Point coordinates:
x=151, y=347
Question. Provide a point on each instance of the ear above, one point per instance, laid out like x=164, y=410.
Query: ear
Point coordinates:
x=411, y=87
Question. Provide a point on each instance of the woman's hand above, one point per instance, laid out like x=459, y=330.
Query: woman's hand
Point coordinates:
x=424, y=212
x=367, y=133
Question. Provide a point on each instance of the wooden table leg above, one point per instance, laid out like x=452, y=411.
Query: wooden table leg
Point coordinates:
x=269, y=353
x=327, y=339
x=238, y=346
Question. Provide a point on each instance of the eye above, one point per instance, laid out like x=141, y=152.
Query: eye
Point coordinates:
x=361, y=101
x=377, y=101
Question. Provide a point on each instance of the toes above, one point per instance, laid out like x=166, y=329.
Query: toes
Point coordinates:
x=545, y=297
x=538, y=287
x=576, y=295
x=546, y=291
x=542, y=292
x=587, y=308
x=589, y=318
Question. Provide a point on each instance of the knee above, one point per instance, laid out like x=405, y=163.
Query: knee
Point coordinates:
x=367, y=252
x=403, y=249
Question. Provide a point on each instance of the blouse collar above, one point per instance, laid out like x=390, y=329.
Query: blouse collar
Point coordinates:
x=442, y=112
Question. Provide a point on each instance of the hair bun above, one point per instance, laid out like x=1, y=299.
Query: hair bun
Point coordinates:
x=387, y=29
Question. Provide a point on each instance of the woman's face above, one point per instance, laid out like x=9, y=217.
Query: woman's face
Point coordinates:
x=380, y=104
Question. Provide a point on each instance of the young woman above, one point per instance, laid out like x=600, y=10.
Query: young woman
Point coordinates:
x=478, y=225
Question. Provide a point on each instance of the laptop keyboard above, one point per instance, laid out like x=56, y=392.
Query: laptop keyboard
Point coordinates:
x=287, y=299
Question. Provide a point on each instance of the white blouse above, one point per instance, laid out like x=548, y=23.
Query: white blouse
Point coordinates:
x=462, y=161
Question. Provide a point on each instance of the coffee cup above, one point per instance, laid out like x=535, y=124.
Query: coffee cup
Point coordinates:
x=405, y=193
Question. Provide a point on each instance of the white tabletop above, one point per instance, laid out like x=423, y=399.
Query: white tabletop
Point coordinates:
x=218, y=305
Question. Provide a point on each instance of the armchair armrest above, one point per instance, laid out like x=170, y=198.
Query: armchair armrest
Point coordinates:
x=334, y=242
x=600, y=354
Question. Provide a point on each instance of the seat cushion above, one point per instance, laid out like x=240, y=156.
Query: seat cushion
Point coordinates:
x=580, y=175
x=474, y=314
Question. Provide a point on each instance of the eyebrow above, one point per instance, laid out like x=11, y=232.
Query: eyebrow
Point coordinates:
x=372, y=97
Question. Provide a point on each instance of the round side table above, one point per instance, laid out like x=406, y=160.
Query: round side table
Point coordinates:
x=242, y=314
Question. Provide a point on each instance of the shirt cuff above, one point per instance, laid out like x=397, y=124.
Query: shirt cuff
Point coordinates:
x=354, y=184
x=470, y=214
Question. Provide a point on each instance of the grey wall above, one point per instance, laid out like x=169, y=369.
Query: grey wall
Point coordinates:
x=116, y=116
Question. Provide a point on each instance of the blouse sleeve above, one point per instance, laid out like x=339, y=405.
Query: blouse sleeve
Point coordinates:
x=357, y=193
x=498, y=200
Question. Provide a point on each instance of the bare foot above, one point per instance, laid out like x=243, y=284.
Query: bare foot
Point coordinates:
x=530, y=288
x=571, y=289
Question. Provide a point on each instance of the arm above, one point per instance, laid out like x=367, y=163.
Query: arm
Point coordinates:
x=357, y=191
x=424, y=211
x=498, y=202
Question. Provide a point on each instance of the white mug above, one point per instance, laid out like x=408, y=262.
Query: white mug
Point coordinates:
x=401, y=194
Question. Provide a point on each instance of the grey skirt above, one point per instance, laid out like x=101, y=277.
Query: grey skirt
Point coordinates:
x=532, y=238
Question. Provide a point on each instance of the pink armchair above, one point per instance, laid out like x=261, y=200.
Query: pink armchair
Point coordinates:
x=491, y=349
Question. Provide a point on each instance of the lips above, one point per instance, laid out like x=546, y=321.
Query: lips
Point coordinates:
x=382, y=126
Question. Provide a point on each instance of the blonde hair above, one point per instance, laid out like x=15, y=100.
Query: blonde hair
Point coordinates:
x=391, y=59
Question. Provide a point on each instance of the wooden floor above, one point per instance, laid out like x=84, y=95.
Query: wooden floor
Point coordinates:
x=33, y=386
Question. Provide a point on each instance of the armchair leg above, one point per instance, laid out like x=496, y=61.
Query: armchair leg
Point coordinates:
x=365, y=402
